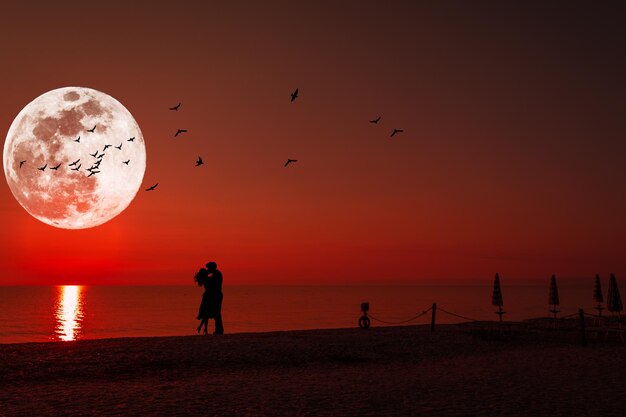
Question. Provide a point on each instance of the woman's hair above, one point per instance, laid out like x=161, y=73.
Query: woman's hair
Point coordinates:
x=200, y=276
x=211, y=265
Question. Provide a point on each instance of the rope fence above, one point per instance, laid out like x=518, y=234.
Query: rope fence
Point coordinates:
x=456, y=315
x=597, y=316
x=403, y=321
x=420, y=315
x=364, y=320
x=464, y=317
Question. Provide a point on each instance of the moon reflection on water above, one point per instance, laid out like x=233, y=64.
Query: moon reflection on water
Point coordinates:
x=69, y=312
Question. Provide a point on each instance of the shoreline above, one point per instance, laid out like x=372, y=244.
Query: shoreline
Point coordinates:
x=537, y=323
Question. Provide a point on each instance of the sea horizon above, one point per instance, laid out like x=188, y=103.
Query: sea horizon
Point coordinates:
x=431, y=282
x=73, y=312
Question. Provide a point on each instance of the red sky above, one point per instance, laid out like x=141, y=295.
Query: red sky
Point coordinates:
x=511, y=160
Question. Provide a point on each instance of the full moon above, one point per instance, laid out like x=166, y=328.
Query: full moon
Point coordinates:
x=74, y=158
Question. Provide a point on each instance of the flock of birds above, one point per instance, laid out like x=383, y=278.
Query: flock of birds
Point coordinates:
x=94, y=169
x=395, y=131
x=294, y=96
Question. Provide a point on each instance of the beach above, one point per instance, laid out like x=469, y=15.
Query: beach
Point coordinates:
x=457, y=370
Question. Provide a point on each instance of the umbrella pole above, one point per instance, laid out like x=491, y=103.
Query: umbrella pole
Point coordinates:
x=554, y=312
x=432, y=319
x=583, y=334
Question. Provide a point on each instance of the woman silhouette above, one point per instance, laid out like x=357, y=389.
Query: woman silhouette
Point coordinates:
x=204, y=313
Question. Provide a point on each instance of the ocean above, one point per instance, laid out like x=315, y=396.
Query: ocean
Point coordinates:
x=58, y=313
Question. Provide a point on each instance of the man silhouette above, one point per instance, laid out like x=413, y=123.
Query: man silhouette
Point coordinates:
x=215, y=296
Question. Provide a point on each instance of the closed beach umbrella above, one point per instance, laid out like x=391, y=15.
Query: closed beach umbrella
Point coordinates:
x=553, y=298
x=597, y=295
x=496, y=297
x=613, y=300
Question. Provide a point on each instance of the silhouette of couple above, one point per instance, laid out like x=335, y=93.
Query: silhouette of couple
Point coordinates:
x=211, y=306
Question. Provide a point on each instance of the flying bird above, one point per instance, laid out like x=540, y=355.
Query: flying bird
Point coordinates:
x=153, y=187
x=100, y=156
x=179, y=131
x=131, y=139
x=77, y=168
x=75, y=162
x=396, y=131
x=43, y=168
x=119, y=147
x=22, y=163
x=294, y=95
x=290, y=161
x=92, y=173
x=56, y=167
x=93, y=129
x=175, y=108
x=77, y=140
x=375, y=121
x=199, y=162
x=105, y=148
x=95, y=155
x=126, y=162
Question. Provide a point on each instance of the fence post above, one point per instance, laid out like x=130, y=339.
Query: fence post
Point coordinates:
x=432, y=321
x=583, y=334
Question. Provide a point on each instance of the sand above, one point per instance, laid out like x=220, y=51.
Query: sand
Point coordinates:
x=459, y=370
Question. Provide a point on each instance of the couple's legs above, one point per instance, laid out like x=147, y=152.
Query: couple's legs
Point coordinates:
x=205, y=323
x=219, y=326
